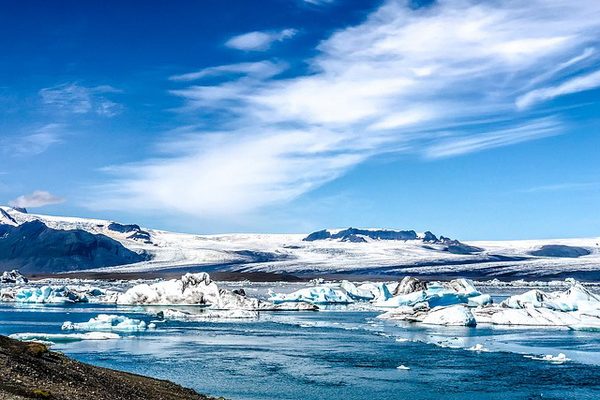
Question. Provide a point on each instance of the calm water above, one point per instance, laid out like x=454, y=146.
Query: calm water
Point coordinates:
x=338, y=354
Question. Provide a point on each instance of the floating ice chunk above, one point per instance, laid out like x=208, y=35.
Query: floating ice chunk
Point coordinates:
x=403, y=367
x=574, y=298
x=48, y=294
x=456, y=315
x=190, y=289
x=315, y=295
x=104, y=322
x=558, y=359
x=478, y=347
x=207, y=315
x=14, y=277
x=64, y=337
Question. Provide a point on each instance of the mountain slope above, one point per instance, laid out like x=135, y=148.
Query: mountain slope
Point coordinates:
x=350, y=251
x=34, y=247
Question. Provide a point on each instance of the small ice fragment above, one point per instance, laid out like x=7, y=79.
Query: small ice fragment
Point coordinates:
x=403, y=367
x=478, y=347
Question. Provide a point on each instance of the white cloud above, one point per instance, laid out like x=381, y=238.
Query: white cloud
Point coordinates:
x=574, y=85
x=260, y=69
x=77, y=99
x=33, y=143
x=438, y=81
x=38, y=198
x=567, y=186
x=259, y=40
x=504, y=137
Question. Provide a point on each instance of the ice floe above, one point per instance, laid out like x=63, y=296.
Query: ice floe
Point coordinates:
x=561, y=358
x=479, y=348
x=207, y=315
x=104, y=322
x=453, y=315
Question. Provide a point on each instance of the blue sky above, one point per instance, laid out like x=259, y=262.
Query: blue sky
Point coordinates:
x=477, y=120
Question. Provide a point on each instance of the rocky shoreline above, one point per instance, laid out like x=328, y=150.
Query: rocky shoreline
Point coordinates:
x=32, y=371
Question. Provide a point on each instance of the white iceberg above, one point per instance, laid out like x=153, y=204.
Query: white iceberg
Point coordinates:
x=207, y=315
x=104, y=322
x=454, y=315
x=64, y=337
x=198, y=289
x=479, y=348
x=315, y=295
x=13, y=277
x=403, y=367
x=561, y=358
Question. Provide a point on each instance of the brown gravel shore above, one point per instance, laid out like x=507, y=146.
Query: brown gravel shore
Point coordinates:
x=31, y=371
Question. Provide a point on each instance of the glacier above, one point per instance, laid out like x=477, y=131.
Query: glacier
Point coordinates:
x=380, y=253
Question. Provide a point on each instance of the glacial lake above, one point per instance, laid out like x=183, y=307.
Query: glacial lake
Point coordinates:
x=339, y=353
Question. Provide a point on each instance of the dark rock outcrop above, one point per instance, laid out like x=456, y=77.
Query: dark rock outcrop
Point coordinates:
x=378, y=234
x=408, y=285
x=34, y=247
x=31, y=371
x=136, y=233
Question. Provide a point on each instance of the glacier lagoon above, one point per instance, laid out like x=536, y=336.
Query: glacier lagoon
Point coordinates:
x=342, y=352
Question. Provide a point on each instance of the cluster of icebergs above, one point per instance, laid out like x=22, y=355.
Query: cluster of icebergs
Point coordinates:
x=456, y=302
x=191, y=289
x=459, y=303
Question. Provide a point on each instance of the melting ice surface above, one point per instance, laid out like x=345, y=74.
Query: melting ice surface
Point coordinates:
x=341, y=352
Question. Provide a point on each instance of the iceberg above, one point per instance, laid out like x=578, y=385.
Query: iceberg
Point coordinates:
x=64, y=337
x=315, y=295
x=575, y=308
x=14, y=277
x=455, y=315
x=104, y=322
x=47, y=294
x=195, y=289
x=198, y=289
x=561, y=358
x=207, y=315
x=412, y=291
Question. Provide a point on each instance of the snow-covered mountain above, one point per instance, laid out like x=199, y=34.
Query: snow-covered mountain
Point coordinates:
x=349, y=251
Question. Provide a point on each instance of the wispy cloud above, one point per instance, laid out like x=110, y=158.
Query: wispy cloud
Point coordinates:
x=259, y=40
x=574, y=85
x=456, y=146
x=261, y=69
x=567, y=186
x=77, y=99
x=33, y=143
x=38, y=198
x=438, y=81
